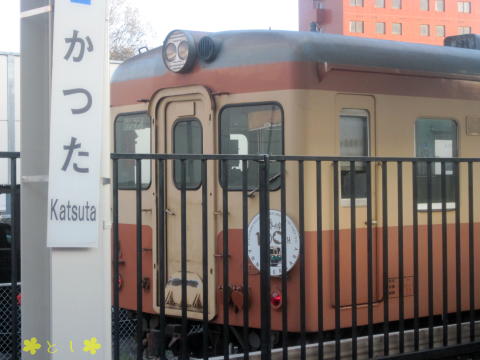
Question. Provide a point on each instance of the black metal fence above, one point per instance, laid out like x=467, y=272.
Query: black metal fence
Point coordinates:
x=387, y=259
x=9, y=264
x=388, y=255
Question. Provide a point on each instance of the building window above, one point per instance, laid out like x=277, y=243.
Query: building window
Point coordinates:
x=354, y=141
x=380, y=27
x=425, y=30
x=396, y=4
x=132, y=136
x=435, y=138
x=250, y=130
x=464, y=7
x=440, y=30
x=356, y=26
x=462, y=30
x=397, y=29
x=424, y=5
x=439, y=5
x=356, y=2
x=379, y=3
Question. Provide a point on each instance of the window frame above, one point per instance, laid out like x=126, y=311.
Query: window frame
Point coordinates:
x=350, y=111
x=357, y=3
x=355, y=24
x=384, y=28
x=145, y=112
x=174, y=125
x=427, y=27
x=436, y=206
x=463, y=30
x=443, y=5
x=461, y=7
x=219, y=137
x=397, y=6
x=444, y=30
x=401, y=29
x=379, y=6
x=427, y=7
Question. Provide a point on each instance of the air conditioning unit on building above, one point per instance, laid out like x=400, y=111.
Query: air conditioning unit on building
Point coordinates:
x=466, y=41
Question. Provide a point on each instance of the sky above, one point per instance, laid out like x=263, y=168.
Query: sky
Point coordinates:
x=10, y=25
x=162, y=16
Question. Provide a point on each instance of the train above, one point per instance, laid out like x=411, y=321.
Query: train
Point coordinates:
x=298, y=94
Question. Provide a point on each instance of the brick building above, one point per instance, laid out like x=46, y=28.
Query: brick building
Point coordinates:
x=420, y=21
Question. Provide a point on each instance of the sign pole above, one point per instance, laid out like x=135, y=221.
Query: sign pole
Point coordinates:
x=66, y=280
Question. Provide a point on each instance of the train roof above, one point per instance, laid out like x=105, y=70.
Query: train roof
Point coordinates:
x=255, y=47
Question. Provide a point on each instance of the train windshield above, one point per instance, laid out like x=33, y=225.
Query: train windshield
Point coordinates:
x=251, y=130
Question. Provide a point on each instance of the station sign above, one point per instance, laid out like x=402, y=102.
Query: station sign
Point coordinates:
x=79, y=96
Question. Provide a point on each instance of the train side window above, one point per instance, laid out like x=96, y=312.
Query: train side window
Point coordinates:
x=436, y=138
x=251, y=129
x=132, y=135
x=187, y=139
x=354, y=141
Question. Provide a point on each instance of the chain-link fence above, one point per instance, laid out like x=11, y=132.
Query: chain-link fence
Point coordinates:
x=127, y=335
x=127, y=328
x=6, y=323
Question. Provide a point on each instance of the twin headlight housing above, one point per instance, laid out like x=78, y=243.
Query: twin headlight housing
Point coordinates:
x=179, y=50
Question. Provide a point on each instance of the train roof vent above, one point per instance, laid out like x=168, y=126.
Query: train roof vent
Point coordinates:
x=466, y=41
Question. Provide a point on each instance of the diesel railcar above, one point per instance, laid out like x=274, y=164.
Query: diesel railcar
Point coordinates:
x=295, y=94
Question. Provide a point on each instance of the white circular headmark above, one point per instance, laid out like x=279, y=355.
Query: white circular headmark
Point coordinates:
x=292, y=238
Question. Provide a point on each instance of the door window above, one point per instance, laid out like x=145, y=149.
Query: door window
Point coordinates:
x=187, y=139
x=354, y=141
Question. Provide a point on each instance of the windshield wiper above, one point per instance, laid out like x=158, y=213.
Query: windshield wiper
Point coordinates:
x=252, y=192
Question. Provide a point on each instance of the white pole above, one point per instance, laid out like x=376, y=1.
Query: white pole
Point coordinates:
x=35, y=65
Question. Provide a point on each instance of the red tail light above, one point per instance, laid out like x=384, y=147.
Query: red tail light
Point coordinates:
x=276, y=299
x=19, y=299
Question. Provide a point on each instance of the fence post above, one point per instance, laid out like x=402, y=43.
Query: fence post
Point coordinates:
x=13, y=263
x=116, y=262
x=264, y=257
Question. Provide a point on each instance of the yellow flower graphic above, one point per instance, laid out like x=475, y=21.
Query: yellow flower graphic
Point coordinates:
x=91, y=345
x=31, y=345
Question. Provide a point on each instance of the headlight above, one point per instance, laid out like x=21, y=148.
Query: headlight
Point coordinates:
x=183, y=50
x=171, y=52
x=179, y=51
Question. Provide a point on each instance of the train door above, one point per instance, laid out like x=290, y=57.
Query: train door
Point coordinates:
x=185, y=126
x=133, y=134
x=355, y=117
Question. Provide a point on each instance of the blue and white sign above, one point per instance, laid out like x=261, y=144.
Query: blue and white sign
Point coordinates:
x=86, y=2
x=79, y=84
